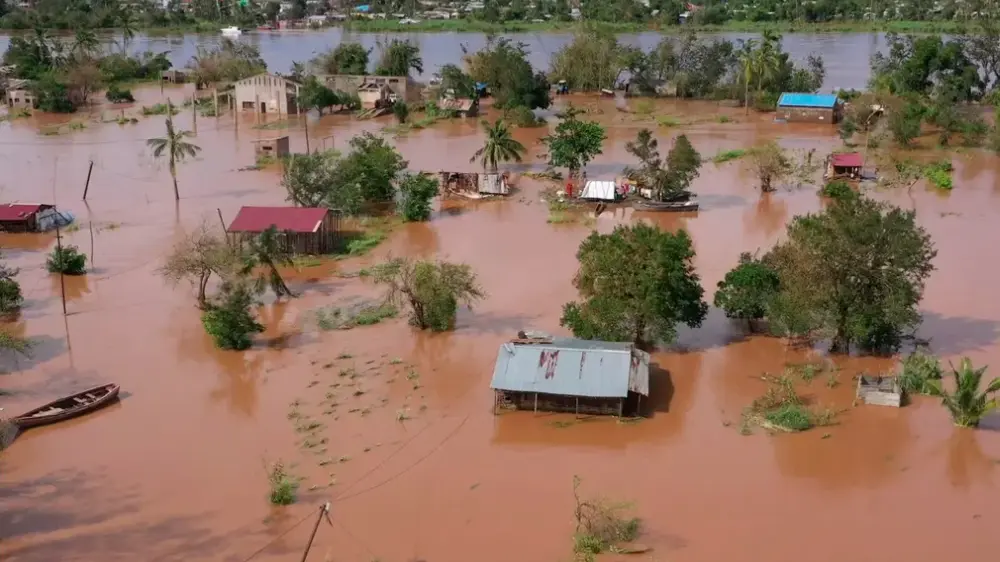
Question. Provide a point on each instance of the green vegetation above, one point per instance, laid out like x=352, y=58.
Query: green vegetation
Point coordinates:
x=15, y=344
x=417, y=191
x=600, y=526
x=264, y=254
x=726, y=155
x=966, y=404
x=574, y=143
x=838, y=190
x=67, y=260
x=500, y=146
x=919, y=373
x=174, y=147
x=198, y=256
x=316, y=95
x=657, y=269
x=401, y=111
x=782, y=409
x=398, y=58
x=774, y=165
x=747, y=290
x=116, y=94
x=159, y=109
x=230, y=61
x=283, y=486
x=939, y=174
x=229, y=317
x=338, y=318
x=345, y=58
x=504, y=65
x=670, y=180
x=432, y=290
x=11, y=298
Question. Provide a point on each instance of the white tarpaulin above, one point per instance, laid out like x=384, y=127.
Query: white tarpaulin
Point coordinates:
x=600, y=190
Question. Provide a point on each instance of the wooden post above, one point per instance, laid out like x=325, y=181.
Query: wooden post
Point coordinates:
x=91, y=223
x=307, y=133
x=577, y=406
x=86, y=186
x=194, y=112
x=536, y=402
x=62, y=278
x=256, y=107
x=322, y=511
x=222, y=222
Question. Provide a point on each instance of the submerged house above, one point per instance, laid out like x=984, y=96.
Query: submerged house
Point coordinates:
x=570, y=375
x=463, y=107
x=474, y=185
x=844, y=165
x=268, y=93
x=808, y=108
x=35, y=217
x=400, y=87
x=303, y=230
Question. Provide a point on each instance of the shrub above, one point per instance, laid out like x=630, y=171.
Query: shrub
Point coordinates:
x=10, y=291
x=416, y=192
x=600, y=526
x=431, y=289
x=839, y=190
x=283, y=486
x=918, y=373
x=401, y=111
x=116, y=94
x=939, y=174
x=966, y=404
x=67, y=260
x=230, y=320
x=521, y=116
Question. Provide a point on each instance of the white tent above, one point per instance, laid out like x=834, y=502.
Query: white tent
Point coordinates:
x=601, y=190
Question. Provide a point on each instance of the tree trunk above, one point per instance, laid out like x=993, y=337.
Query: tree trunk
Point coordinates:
x=746, y=95
x=202, y=286
x=173, y=174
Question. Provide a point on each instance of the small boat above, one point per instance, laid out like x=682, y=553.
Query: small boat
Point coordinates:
x=231, y=31
x=665, y=206
x=68, y=407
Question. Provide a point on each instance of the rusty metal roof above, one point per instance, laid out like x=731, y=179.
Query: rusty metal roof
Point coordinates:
x=11, y=212
x=572, y=367
x=294, y=219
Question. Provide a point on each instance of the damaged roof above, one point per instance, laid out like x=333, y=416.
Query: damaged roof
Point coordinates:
x=290, y=219
x=572, y=367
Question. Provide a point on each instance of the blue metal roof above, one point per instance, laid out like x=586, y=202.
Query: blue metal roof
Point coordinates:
x=824, y=101
x=572, y=367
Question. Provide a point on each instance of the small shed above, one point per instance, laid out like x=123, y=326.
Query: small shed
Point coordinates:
x=880, y=390
x=808, y=108
x=845, y=164
x=174, y=76
x=19, y=94
x=463, y=107
x=570, y=375
x=303, y=230
x=276, y=147
x=600, y=190
x=34, y=217
x=474, y=185
x=373, y=95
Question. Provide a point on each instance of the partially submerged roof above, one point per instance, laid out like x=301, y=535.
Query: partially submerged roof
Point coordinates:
x=847, y=160
x=18, y=211
x=293, y=219
x=572, y=367
x=818, y=101
x=278, y=76
x=457, y=104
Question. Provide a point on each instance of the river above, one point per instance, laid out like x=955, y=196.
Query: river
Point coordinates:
x=846, y=54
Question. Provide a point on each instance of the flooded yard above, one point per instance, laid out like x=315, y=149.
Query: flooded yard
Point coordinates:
x=408, y=450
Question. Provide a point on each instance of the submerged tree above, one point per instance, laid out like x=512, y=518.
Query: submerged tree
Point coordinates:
x=966, y=404
x=638, y=283
x=265, y=253
x=11, y=298
x=398, y=58
x=199, y=255
x=417, y=191
x=67, y=260
x=504, y=65
x=229, y=317
x=575, y=143
x=431, y=289
x=854, y=272
x=346, y=58
x=668, y=181
x=174, y=147
x=500, y=146
x=747, y=290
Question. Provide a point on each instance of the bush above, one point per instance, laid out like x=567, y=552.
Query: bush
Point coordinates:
x=401, y=111
x=417, y=191
x=283, y=485
x=839, y=190
x=10, y=291
x=115, y=94
x=431, y=289
x=67, y=260
x=230, y=320
x=51, y=95
x=919, y=372
x=521, y=116
x=939, y=174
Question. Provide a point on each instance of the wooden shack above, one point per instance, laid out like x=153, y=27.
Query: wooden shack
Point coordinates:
x=303, y=230
x=879, y=390
x=274, y=148
x=844, y=165
x=570, y=375
x=174, y=76
x=462, y=107
x=19, y=217
x=474, y=185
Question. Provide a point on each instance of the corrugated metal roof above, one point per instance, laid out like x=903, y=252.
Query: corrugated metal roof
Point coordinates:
x=572, y=367
x=847, y=160
x=19, y=212
x=294, y=219
x=605, y=190
x=824, y=101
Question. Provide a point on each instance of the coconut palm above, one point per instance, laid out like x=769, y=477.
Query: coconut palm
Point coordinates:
x=500, y=146
x=966, y=404
x=747, y=60
x=265, y=254
x=174, y=146
x=766, y=59
x=85, y=43
x=127, y=22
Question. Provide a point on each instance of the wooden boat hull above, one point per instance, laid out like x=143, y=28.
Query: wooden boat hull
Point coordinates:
x=668, y=206
x=69, y=407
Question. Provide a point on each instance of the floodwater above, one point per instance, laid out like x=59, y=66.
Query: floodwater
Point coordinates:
x=420, y=467
x=846, y=54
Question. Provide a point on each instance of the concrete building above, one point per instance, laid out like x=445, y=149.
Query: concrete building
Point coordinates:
x=18, y=94
x=808, y=108
x=401, y=87
x=267, y=93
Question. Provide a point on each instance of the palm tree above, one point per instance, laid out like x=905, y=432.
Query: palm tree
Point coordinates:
x=175, y=147
x=266, y=252
x=85, y=43
x=746, y=57
x=766, y=61
x=500, y=146
x=966, y=404
x=127, y=22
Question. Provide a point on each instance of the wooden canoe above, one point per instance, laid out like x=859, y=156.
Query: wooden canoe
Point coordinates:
x=68, y=407
x=659, y=206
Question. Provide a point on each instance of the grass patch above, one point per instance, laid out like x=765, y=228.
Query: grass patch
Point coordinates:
x=337, y=318
x=284, y=486
x=306, y=261
x=724, y=119
x=838, y=190
x=919, y=373
x=727, y=155
x=939, y=174
x=667, y=121
x=600, y=526
x=371, y=232
x=780, y=408
x=158, y=109
x=563, y=212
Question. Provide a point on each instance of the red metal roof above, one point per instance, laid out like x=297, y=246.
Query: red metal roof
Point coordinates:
x=294, y=219
x=847, y=160
x=19, y=212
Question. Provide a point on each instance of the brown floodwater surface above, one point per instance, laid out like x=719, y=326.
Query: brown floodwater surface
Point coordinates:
x=415, y=463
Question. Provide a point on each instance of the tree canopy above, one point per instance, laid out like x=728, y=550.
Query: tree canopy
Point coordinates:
x=575, y=142
x=637, y=283
x=748, y=289
x=503, y=65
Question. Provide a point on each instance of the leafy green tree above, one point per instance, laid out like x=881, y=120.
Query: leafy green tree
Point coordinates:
x=67, y=260
x=265, y=254
x=10, y=290
x=432, y=290
x=854, y=272
x=174, y=147
x=904, y=124
x=668, y=181
x=747, y=290
x=311, y=181
x=373, y=165
x=966, y=404
x=575, y=143
x=229, y=317
x=417, y=191
x=401, y=111
x=454, y=79
x=503, y=65
x=500, y=146
x=683, y=163
x=316, y=95
x=637, y=283
x=52, y=95
x=398, y=58
x=345, y=58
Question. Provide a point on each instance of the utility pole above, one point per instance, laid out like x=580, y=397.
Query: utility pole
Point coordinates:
x=307, y=132
x=86, y=186
x=323, y=511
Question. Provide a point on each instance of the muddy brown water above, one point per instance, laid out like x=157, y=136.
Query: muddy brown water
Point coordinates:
x=175, y=471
